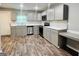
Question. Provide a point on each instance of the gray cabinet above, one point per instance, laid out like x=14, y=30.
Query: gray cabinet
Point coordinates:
x=50, y=14
x=18, y=30
x=51, y=35
x=44, y=13
x=21, y=30
x=36, y=30
x=58, y=12
x=54, y=37
x=34, y=16
x=46, y=33
x=13, y=31
x=61, y=12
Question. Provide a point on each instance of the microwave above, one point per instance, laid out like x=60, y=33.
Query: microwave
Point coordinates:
x=44, y=17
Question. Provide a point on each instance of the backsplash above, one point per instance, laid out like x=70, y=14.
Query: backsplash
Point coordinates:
x=59, y=24
x=52, y=23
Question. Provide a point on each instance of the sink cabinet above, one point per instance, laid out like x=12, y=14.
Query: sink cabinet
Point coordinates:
x=51, y=35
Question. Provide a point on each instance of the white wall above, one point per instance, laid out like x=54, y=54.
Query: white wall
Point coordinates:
x=5, y=17
x=73, y=23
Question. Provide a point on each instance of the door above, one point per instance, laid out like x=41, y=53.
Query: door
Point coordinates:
x=5, y=20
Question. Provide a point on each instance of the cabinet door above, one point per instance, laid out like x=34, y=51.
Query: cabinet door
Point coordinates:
x=44, y=13
x=59, y=12
x=13, y=31
x=50, y=14
x=54, y=37
x=44, y=32
x=36, y=30
x=48, y=34
x=21, y=30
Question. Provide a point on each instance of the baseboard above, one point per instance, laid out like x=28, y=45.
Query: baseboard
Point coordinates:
x=5, y=35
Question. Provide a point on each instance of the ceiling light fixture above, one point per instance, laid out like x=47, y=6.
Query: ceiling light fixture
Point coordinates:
x=36, y=7
x=21, y=5
x=21, y=8
x=49, y=4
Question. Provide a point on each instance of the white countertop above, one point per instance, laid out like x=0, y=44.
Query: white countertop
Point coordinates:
x=37, y=24
x=57, y=28
x=25, y=24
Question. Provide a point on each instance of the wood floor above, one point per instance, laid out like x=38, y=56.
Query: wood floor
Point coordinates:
x=30, y=46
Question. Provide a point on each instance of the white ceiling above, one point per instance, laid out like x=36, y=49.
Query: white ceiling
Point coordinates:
x=27, y=6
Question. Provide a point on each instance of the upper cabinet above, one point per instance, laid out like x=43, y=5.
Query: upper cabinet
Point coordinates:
x=34, y=16
x=50, y=14
x=61, y=12
x=44, y=13
x=57, y=12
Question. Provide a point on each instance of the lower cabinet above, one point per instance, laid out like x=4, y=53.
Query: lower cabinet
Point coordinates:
x=24, y=30
x=51, y=35
x=36, y=30
x=54, y=37
x=18, y=30
x=13, y=31
x=46, y=33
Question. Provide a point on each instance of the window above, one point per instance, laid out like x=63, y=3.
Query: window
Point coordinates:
x=21, y=19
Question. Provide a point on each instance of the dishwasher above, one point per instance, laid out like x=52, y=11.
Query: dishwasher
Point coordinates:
x=30, y=30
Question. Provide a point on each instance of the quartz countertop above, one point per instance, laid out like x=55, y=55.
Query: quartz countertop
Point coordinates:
x=25, y=24
x=38, y=24
x=56, y=28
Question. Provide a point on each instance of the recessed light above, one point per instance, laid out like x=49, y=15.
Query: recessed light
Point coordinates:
x=36, y=7
x=49, y=5
x=21, y=5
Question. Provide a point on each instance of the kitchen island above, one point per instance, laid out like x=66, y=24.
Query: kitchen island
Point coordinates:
x=24, y=29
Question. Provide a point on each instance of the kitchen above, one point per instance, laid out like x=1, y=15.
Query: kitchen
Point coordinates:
x=31, y=26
